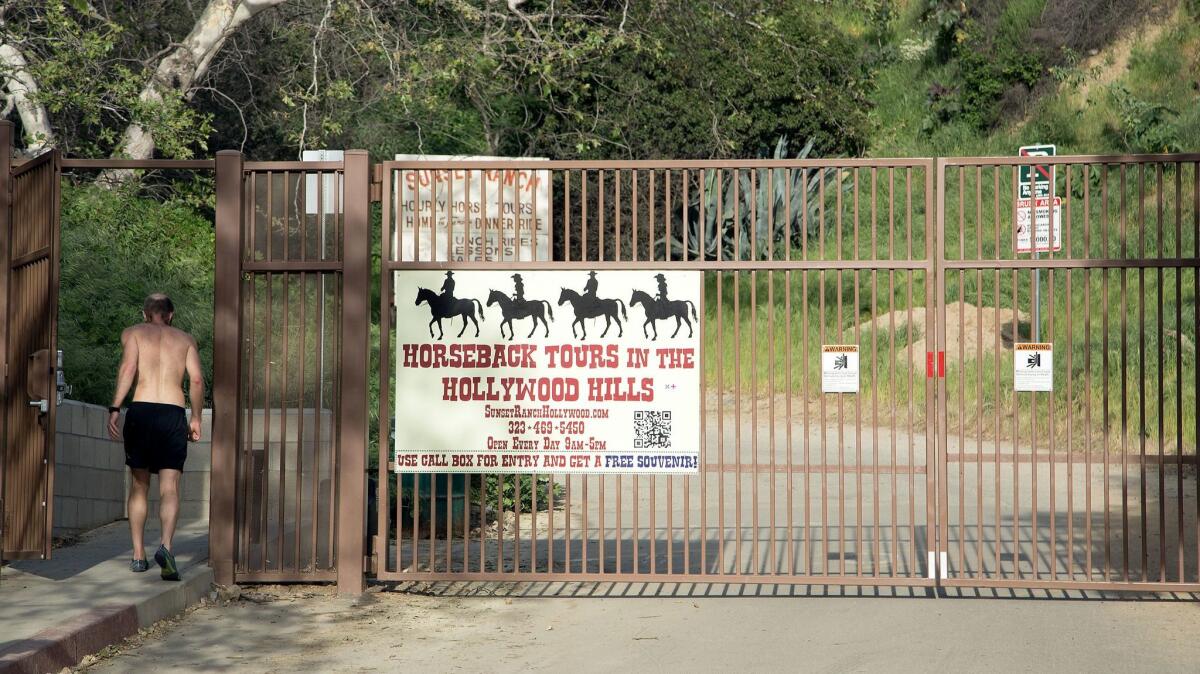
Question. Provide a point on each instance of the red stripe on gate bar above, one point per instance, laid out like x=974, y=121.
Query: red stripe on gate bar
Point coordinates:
x=942, y=364
x=928, y=364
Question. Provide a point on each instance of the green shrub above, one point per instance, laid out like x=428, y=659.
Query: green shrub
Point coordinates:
x=509, y=489
x=1143, y=126
x=117, y=247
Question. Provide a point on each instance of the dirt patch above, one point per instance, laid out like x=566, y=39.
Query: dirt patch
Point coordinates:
x=971, y=331
x=1111, y=63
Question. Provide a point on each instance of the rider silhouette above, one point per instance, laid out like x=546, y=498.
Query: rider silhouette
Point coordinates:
x=448, y=286
x=589, y=288
x=662, y=289
x=518, y=291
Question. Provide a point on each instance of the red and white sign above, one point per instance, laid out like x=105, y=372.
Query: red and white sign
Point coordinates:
x=523, y=371
x=1046, y=233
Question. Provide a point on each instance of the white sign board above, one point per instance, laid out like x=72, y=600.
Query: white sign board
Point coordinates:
x=839, y=368
x=455, y=215
x=590, y=372
x=323, y=199
x=1046, y=234
x=1033, y=366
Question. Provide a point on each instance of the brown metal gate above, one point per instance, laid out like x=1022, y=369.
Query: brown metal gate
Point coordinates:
x=796, y=487
x=29, y=294
x=937, y=473
x=1094, y=484
x=290, y=370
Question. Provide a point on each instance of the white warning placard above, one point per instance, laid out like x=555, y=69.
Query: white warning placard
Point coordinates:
x=1045, y=234
x=839, y=368
x=1033, y=366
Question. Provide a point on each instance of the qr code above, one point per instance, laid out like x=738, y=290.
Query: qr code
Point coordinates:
x=652, y=430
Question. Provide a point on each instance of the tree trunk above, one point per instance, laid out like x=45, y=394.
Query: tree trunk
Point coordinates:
x=22, y=94
x=179, y=70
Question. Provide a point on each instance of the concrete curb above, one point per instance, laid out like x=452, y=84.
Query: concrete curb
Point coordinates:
x=65, y=644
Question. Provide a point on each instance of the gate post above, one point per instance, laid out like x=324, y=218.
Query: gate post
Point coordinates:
x=227, y=350
x=6, y=152
x=356, y=298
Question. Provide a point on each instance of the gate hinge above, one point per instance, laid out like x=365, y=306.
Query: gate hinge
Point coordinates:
x=941, y=364
x=375, y=188
x=371, y=559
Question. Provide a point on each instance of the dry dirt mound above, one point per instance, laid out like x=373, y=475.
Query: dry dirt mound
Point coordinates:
x=975, y=330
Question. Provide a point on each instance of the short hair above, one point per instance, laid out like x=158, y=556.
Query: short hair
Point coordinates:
x=158, y=304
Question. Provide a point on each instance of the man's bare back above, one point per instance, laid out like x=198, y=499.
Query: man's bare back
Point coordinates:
x=158, y=356
x=163, y=354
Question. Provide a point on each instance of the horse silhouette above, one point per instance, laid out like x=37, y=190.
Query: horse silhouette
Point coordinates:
x=586, y=307
x=509, y=309
x=659, y=311
x=449, y=307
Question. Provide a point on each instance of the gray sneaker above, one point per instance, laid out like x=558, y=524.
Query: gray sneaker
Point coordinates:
x=139, y=565
x=166, y=560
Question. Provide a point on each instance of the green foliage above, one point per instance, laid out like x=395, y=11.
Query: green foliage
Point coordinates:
x=753, y=206
x=948, y=19
x=1142, y=126
x=91, y=88
x=880, y=33
x=706, y=81
x=508, y=490
x=118, y=247
x=990, y=60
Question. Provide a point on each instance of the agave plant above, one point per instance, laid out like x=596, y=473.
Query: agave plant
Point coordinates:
x=744, y=211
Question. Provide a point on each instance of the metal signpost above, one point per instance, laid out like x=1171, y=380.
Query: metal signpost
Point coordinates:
x=1036, y=185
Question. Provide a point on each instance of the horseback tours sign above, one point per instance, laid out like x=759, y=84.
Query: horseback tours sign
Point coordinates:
x=547, y=371
x=445, y=214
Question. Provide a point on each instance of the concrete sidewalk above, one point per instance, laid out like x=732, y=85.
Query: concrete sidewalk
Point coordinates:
x=85, y=598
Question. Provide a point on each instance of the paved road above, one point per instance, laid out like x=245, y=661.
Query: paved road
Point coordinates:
x=281, y=631
x=851, y=506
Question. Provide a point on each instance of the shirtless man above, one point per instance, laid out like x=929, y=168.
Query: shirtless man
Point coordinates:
x=156, y=429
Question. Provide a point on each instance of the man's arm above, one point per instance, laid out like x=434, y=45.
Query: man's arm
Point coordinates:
x=125, y=375
x=195, y=388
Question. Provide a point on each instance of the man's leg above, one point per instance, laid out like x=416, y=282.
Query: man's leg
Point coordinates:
x=168, y=503
x=139, y=488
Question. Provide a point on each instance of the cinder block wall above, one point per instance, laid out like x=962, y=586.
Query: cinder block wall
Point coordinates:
x=91, y=481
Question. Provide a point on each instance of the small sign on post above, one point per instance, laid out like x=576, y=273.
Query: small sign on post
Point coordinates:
x=1044, y=234
x=839, y=368
x=1033, y=366
x=1038, y=179
x=1037, y=227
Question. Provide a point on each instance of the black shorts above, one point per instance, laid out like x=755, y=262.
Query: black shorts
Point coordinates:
x=156, y=436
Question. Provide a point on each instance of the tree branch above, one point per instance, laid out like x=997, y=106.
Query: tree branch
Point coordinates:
x=178, y=71
x=22, y=94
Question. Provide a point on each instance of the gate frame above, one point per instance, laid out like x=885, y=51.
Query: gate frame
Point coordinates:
x=1131, y=261
x=925, y=263
x=9, y=171
x=351, y=478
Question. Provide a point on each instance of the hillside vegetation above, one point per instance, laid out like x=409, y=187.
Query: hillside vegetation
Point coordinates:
x=744, y=78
